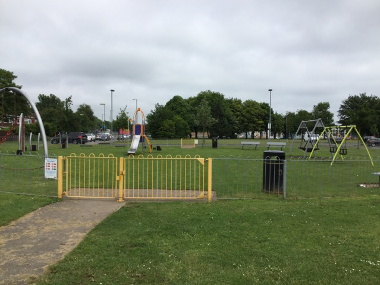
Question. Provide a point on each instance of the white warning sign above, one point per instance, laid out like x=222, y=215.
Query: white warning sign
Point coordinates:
x=51, y=168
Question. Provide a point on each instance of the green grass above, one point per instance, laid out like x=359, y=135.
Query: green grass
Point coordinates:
x=230, y=242
x=262, y=241
x=172, y=147
x=14, y=206
x=231, y=179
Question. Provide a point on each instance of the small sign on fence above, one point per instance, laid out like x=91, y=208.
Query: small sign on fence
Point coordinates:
x=51, y=168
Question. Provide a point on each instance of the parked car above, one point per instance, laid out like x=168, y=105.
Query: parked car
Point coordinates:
x=73, y=137
x=90, y=137
x=123, y=137
x=98, y=136
x=372, y=141
x=313, y=137
x=105, y=137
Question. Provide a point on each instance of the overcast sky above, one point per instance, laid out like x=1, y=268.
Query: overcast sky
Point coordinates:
x=151, y=50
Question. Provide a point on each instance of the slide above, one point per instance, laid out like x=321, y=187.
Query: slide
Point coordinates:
x=134, y=144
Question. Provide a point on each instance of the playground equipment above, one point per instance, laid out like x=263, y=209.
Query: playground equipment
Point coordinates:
x=8, y=134
x=34, y=147
x=21, y=134
x=340, y=146
x=42, y=128
x=187, y=143
x=309, y=137
x=139, y=132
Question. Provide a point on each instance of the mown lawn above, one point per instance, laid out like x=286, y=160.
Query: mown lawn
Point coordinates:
x=332, y=241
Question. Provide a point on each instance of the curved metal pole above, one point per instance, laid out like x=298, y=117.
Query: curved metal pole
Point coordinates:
x=369, y=155
x=35, y=111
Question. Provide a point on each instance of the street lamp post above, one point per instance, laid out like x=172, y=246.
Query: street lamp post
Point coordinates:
x=80, y=122
x=112, y=111
x=270, y=111
x=104, y=115
x=136, y=103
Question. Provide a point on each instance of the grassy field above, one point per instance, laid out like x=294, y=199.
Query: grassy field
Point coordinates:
x=225, y=148
x=261, y=241
x=230, y=242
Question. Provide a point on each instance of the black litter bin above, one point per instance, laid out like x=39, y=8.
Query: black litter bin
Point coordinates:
x=273, y=172
x=214, y=142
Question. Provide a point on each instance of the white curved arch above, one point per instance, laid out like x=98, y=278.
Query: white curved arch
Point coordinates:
x=35, y=111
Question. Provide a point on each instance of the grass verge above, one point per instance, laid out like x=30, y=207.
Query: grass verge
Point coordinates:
x=230, y=242
x=13, y=206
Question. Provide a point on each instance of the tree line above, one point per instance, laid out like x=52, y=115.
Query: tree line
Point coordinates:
x=56, y=114
x=208, y=112
x=222, y=117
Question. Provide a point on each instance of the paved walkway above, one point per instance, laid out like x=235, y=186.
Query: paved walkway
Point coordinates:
x=41, y=238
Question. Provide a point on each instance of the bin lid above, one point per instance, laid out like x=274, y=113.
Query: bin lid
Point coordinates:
x=271, y=153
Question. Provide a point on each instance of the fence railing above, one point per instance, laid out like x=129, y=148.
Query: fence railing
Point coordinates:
x=24, y=174
x=185, y=177
x=244, y=178
x=164, y=177
x=132, y=177
x=90, y=176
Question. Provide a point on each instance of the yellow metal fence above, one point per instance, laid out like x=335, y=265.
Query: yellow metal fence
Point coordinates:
x=134, y=177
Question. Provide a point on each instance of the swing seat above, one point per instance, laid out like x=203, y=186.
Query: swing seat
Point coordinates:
x=343, y=151
x=309, y=149
x=333, y=149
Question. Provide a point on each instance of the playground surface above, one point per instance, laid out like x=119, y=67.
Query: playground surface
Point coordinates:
x=41, y=238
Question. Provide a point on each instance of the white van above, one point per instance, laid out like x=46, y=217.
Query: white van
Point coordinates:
x=313, y=137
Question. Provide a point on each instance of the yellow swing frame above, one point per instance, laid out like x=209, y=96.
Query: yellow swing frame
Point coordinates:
x=339, y=146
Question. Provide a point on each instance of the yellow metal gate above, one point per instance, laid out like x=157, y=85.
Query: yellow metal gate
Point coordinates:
x=134, y=177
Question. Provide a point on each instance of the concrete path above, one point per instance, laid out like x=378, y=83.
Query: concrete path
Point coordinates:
x=41, y=238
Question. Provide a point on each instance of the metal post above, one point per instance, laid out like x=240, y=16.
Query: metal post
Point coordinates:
x=104, y=115
x=284, y=174
x=209, y=179
x=60, y=177
x=112, y=110
x=121, y=179
x=270, y=111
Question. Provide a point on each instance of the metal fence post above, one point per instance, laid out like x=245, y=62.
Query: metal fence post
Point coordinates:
x=209, y=179
x=284, y=186
x=121, y=180
x=60, y=177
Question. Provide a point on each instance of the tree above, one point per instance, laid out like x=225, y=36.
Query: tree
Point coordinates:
x=277, y=124
x=181, y=128
x=291, y=125
x=237, y=109
x=321, y=110
x=253, y=117
x=181, y=108
x=11, y=104
x=85, y=116
x=122, y=120
x=204, y=118
x=167, y=129
x=51, y=110
x=363, y=111
x=264, y=116
x=156, y=120
x=69, y=120
x=220, y=111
